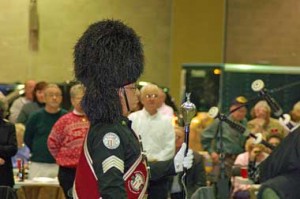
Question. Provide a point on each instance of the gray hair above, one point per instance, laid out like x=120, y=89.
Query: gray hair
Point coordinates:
x=76, y=90
x=264, y=104
x=149, y=87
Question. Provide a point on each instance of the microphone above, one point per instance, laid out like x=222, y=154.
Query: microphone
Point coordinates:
x=259, y=86
x=214, y=113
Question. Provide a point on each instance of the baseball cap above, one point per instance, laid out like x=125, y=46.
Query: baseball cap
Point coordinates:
x=240, y=100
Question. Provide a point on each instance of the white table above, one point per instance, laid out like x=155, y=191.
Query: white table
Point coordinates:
x=242, y=180
x=37, y=182
x=40, y=188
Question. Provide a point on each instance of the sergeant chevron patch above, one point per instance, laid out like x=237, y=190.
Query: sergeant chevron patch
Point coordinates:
x=113, y=161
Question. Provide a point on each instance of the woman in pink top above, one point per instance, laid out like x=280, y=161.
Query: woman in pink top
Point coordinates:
x=254, y=153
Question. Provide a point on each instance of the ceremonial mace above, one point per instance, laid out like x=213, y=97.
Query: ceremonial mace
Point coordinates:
x=188, y=111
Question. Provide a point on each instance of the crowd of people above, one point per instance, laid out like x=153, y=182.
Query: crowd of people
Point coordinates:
x=52, y=139
x=106, y=146
x=240, y=150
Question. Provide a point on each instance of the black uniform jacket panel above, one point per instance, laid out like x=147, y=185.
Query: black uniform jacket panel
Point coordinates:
x=284, y=159
x=117, y=145
x=8, y=141
x=281, y=170
x=8, y=148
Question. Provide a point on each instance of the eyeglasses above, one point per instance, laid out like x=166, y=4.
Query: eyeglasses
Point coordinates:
x=133, y=87
x=151, y=96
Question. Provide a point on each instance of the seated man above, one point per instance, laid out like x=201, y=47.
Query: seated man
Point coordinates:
x=233, y=141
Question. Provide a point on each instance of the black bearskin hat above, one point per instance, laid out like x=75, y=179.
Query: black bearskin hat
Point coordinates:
x=108, y=56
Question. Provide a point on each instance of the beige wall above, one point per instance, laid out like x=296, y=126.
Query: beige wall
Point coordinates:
x=62, y=22
x=197, y=36
x=259, y=32
x=173, y=32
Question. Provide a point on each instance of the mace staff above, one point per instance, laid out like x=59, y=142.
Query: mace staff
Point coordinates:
x=188, y=111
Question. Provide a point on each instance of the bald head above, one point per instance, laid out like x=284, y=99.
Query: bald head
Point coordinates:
x=149, y=98
x=149, y=88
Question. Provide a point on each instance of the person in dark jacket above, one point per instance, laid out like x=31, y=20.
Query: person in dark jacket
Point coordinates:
x=280, y=172
x=8, y=146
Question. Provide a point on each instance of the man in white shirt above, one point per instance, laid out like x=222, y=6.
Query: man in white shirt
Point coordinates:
x=21, y=101
x=157, y=135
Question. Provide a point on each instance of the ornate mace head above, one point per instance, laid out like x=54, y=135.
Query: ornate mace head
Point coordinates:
x=188, y=110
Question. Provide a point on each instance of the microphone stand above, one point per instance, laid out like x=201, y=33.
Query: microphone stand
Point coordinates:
x=214, y=113
x=223, y=189
x=259, y=86
x=188, y=111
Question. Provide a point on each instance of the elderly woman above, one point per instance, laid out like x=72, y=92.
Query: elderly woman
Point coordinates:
x=254, y=155
x=263, y=122
x=8, y=146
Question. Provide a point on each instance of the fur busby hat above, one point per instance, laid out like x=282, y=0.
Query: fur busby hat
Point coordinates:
x=108, y=56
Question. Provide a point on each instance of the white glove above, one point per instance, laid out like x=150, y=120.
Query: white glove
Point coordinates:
x=180, y=161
